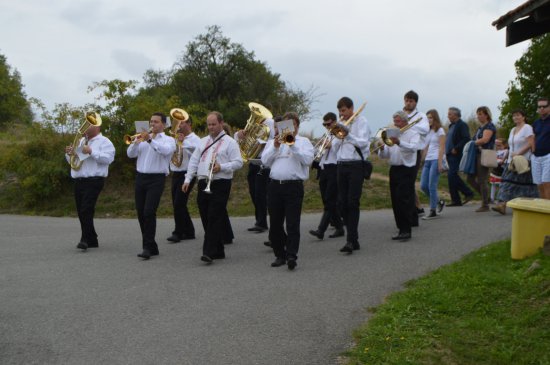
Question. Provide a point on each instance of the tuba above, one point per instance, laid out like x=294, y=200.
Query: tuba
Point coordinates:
x=381, y=137
x=340, y=130
x=254, y=130
x=180, y=116
x=92, y=119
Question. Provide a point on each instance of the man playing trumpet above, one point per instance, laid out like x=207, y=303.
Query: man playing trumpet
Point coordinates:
x=213, y=163
x=289, y=157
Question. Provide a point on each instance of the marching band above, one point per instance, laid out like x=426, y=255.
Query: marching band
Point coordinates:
x=274, y=149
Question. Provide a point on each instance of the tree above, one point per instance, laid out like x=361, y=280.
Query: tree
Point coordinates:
x=224, y=76
x=14, y=107
x=532, y=81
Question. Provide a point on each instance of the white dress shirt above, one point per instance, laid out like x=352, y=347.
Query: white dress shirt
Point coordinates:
x=330, y=156
x=190, y=143
x=403, y=154
x=289, y=162
x=154, y=157
x=359, y=135
x=103, y=154
x=228, y=156
x=422, y=127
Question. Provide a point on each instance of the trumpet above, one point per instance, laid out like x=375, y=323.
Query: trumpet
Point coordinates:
x=128, y=139
x=286, y=137
x=210, y=174
x=341, y=130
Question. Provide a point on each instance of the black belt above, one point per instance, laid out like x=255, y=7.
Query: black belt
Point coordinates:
x=354, y=162
x=89, y=178
x=287, y=181
x=151, y=174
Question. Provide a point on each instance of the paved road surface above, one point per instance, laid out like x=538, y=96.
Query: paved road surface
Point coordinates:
x=59, y=305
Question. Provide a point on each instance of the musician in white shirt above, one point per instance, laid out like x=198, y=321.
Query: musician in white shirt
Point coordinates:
x=89, y=180
x=289, y=165
x=184, y=228
x=153, y=152
x=223, y=153
x=402, y=158
x=328, y=186
x=422, y=127
x=350, y=171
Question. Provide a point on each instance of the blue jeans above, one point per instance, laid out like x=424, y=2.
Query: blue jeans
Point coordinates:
x=429, y=181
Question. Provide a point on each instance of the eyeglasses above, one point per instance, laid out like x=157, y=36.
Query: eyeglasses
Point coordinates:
x=542, y=106
x=327, y=124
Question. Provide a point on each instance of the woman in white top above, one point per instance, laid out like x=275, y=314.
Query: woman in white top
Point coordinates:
x=521, y=143
x=433, y=156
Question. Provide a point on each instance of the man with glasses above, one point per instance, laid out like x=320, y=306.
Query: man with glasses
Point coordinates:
x=540, y=162
x=329, y=186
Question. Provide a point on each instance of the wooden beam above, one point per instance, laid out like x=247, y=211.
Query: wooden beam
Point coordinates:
x=525, y=29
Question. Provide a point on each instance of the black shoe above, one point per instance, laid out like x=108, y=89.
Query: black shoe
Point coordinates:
x=187, y=237
x=402, y=236
x=206, y=259
x=257, y=229
x=82, y=245
x=267, y=243
x=420, y=211
x=432, y=215
x=440, y=205
x=93, y=245
x=174, y=238
x=455, y=204
x=355, y=246
x=278, y=262
x=146, y=254
x=155, y=253
x=317, y=234
x=467, y=199
x=338, y=233
x=347, y=248
x=219, y=256
x=291, y=263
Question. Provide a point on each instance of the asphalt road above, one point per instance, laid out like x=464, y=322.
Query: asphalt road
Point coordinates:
x=59, y=305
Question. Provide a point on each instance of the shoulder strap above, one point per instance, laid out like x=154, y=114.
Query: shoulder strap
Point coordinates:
x=213, y=143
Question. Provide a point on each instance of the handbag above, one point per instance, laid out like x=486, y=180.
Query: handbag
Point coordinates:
x=489, y=158
x=367, y=165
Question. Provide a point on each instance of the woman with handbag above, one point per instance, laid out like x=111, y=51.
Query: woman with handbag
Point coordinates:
x=517, y=180
x=484, y=140
x=434, y=158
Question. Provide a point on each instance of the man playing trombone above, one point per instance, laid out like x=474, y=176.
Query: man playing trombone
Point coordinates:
x=213, y=163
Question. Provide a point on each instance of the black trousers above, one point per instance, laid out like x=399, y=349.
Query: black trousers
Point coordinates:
x=183, y=223
x=350, y=188
x=258, y=179
x=86, y=192
x=328, y=184
x=285, y=204
x=149, y=188
x=214, y=218
x=414, y=213
x=402, y=190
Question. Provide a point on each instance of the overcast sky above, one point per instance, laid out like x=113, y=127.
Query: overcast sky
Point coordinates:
x=371, y=51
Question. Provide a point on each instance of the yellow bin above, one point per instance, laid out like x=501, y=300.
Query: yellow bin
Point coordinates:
x=530, y=223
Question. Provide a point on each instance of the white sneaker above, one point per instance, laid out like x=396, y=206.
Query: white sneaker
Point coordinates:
x=432, y=215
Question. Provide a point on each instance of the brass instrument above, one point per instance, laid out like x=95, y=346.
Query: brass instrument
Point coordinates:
x=254, y=130
x=320, y=147
x=210, y=173
x=92, y=119
x=128, y=139
x=340, y=130
x=180, y=116
x=382, y=139
x=286, y=137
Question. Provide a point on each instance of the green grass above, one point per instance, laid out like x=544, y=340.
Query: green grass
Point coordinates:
x=484, y=309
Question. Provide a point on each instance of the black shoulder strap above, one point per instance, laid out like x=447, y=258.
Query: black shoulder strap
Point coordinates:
x=213, y=143
x=359, y=152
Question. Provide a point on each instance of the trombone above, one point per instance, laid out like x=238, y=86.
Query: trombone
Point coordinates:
x=382, y=139
x=341, y=130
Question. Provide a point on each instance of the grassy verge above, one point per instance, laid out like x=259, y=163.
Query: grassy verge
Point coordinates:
x=484, y=309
